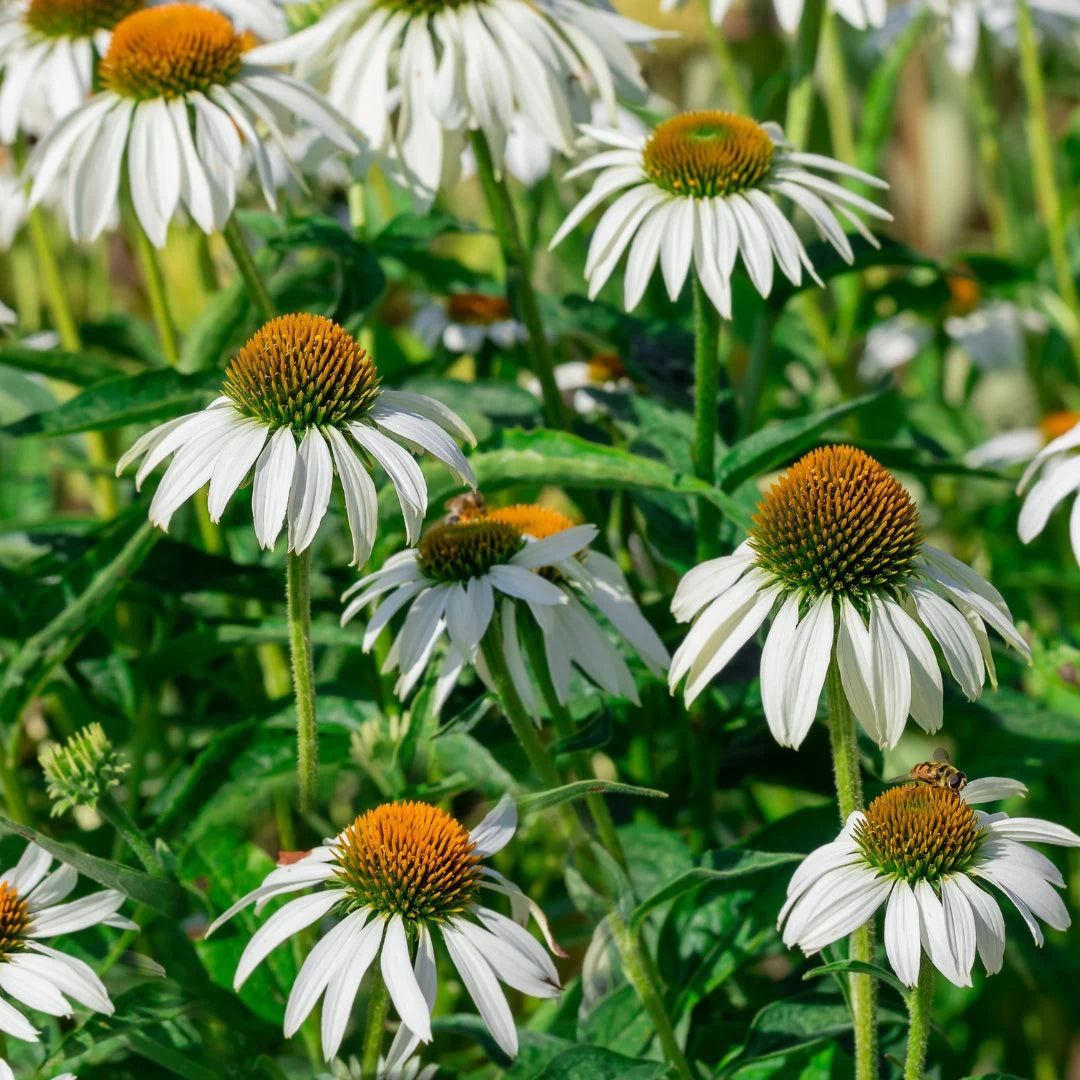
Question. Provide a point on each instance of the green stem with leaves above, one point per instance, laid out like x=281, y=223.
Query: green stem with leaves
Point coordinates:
x=298, y=602
x=1047, y=193
x=519, y=289
x=253, y=281
x=920, y=1009
x=378, y=1004
x=706, y=388
x=155, y=291
x=800, y=102
x=845, y=754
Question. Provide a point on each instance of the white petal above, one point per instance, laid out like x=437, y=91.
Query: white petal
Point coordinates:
x=313, y=479
x=361, y=499
x=483, y=988
x=273, y=481
x=903, y=943
x=405, y=992
x=357, y=954
x=989, y=924
x=497, y=829
x=935, y=935
x=295, y=916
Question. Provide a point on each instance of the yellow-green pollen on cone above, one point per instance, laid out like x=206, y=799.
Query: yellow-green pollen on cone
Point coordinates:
x=14, y=919
x=77, y=18
x=170, y=51
x=837, y=521
x=301, y=371
x=409, y=859
x=467, y=549
x=707, y=154
x=919, y=833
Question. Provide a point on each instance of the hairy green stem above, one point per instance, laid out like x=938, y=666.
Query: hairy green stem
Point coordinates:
x=155, y=291
x=1040, y=145
x=253, y=281
x=800, y=102
x=519, y=289
x=920, y=1009
x=845, y=754
x=706, y=387
x=378, y=1003
x=298, y=600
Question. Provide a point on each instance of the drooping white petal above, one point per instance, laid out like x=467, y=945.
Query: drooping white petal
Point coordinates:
x=497, y=829
x=405, y=992
x=273, y=482
x=295, y=916
x=903, y=944
x=483, y=988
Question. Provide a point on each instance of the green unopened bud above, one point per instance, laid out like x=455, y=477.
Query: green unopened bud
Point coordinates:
x=82, y=769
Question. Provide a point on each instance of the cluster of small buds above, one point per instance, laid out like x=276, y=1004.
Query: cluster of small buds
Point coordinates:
x=80, y=770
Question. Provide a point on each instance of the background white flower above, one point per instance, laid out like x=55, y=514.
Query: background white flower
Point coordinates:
x=464, y=321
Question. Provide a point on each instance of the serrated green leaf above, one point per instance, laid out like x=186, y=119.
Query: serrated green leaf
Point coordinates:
x=714, y=866
x=858, y=967
x=163, y=896
x=544, y=800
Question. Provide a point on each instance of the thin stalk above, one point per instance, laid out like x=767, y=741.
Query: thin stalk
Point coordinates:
x=755, y=373
x=519, y=289
x=564, y=728
x=845, y=753
x=800, y=102
x=204, y=264
x=729, y=73
x=1040, y=145
x=920, y=1009
x=373, y=1031
x=988, y=132
x=298, y=602
x=155, y=292
x=116, y=814
x=357, y=208
x=256, y=287
x=834, y=79
x=706, y=387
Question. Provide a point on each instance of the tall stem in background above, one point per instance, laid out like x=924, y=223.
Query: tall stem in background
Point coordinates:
x=838, y=100
x=845, y=754
x=256, y=287
x=800, y=102
x=519, y=289
x=729, y=73
x=988, y=131
x=706, y=387
x=298, y=601
x=1047, y=194
x=155, y=291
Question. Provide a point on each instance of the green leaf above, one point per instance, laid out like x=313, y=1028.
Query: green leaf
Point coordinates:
x=859, y=967
x=544, y=800
x=596, y=1063
x=78, y=368
x=153, y=395
x=176, y=1061
x=714, y=866
x=54, y=643
x=464, y=721
x=778, y=443
x=163, y=896
x=594, y=733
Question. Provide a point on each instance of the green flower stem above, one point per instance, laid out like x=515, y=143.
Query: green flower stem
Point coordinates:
x=640, y=975
x=988, y=130
x=1040, y=145
x=116, y=814
x=256, y=287
x=378, y=1003
x=519, y=287
x=298, y=601
x=706, y=387
x=155, y=291
x=800, y=102
x=845, y=753
x=729, y=73
x=564, y=728
x=835, y=87
x=920, y=1009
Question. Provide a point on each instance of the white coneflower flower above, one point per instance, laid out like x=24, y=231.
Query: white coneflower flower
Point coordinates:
x=892, y=344
x=180, y=105
x=33, y=973
x=303, y=379
x=477, y=64
x=466, y=321
x=925, y=852
x=451, y=582
x=859, y=13
x=397, y=877
x=701, y=188
x=838, y=545
x=1017, y=446
x=1060, y=478
x=580, y=380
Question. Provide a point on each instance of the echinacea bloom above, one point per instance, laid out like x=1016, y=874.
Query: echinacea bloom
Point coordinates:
x=48, y=51
x=1060, y=478
x=466, y=321
x=32, y=910
x=926, y=853
x=300, y=400
x=837, y=544
x=451, y=582
x=474, y=65
x=176, y=122
x=1017, y=446
x=859, y=13
x=701, y=188
x=398, y=878
x=581, y=381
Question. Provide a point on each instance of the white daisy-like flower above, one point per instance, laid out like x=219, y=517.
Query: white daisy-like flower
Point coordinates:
x=180, y=105
x=451, y=583
x=702, y=188
x=929, y=856
x=1018, y=446
x=837, y=544
x=892, y=344
x=408, y=1070
x=578, y=381
x=398, y=878
x=1059, y=477
x=474, y=65
x=465, y=321
x=32, y=973
x=302, y=379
